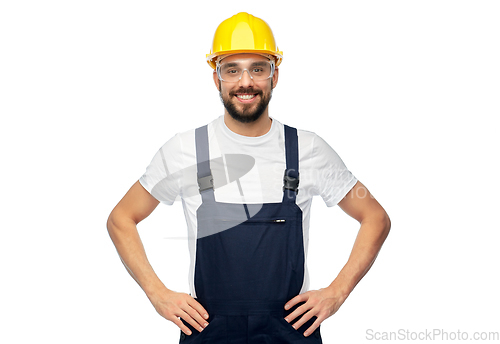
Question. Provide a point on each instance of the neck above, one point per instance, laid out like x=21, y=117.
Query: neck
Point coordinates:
x=254, y=129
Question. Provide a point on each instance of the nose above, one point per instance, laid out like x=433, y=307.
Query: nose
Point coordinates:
x=245, y=79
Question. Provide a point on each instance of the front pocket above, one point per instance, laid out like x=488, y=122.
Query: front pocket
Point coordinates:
x=260, y=221
x=252, y=220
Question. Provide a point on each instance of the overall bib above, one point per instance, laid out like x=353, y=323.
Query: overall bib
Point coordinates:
x=249, y=261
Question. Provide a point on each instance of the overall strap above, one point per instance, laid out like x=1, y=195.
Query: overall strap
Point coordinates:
x=291, y=176
x=205, y=179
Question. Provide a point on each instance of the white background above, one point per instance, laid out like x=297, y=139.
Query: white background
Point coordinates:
x=406, y=92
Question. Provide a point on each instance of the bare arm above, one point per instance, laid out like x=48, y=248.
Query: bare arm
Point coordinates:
x=135, y=206
x=375, y=226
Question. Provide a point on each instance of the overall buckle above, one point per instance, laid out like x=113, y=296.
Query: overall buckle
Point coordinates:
x=206, y=182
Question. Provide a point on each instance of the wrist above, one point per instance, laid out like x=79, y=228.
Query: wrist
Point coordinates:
x=153, y=291
x=339, y=290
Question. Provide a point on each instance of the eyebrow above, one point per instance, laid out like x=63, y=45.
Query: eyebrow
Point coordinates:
x=257, y=63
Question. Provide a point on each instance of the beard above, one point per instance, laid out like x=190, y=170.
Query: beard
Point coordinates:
x=247, y=115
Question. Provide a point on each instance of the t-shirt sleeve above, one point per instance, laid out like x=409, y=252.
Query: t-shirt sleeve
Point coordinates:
x=334, y=179
x=162, y=177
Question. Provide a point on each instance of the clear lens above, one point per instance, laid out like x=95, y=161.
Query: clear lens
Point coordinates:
x=257, y=69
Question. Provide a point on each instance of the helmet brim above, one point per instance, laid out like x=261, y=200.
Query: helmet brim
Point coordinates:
x=212, y=58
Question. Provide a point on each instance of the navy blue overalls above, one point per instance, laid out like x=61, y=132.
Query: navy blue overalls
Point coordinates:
x=249, y=261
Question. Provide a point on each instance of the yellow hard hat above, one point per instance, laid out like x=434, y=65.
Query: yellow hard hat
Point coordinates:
x=243, y=33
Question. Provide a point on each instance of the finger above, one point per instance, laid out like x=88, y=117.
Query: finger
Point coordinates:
x=300, y=322
x=305, y=318
x=313, y=327
x=297, y=312
x=181, y=325
x=191, y=321
x=295, y=300
x=198, y=307
x=200, y=322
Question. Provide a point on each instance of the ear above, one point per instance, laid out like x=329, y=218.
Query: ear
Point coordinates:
x=216, y=80
x=275, y=77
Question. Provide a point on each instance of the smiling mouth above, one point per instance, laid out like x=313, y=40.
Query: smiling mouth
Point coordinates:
x=246, y=96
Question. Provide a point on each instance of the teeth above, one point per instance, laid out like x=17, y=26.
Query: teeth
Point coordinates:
x=245, y=96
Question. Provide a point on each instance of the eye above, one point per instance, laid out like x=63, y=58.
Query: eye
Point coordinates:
x=231, y=71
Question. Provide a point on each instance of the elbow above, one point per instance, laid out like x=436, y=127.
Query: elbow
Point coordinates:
x=380, y=222
x=110, y=224
x=108, y=221
x=115, y=227
x=113, y=224
x=386, y=224
x=119, y=223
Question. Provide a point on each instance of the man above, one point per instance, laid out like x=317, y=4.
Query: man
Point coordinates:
x=239, y=179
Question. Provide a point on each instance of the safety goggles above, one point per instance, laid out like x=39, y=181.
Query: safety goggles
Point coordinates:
x=257, y=69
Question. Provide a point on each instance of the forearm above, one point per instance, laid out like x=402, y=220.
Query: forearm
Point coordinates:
x=124, y=234
x=369, y=240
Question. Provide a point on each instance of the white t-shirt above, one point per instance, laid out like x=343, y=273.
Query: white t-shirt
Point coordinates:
x=245, y=170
